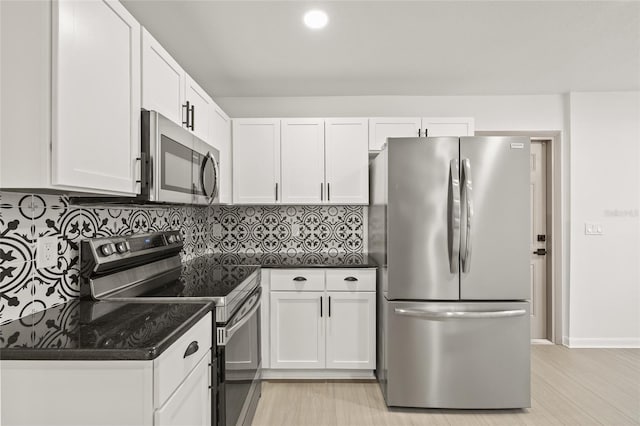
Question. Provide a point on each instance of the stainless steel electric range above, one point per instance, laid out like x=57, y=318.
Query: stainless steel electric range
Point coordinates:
x=148, y=268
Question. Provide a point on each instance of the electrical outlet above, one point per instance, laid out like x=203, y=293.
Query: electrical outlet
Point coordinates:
x=295, y=230
x=217, y=230
x=47, y=252
x=593, y=229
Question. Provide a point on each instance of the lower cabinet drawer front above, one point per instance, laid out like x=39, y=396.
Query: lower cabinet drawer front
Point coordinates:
x=297, y=280
x=190, y=404
x=172, y=367
x=351, y=279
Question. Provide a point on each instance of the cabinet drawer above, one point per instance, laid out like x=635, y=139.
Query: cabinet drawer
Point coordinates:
x=174, y=365
x=297, y=280
x=351, y=280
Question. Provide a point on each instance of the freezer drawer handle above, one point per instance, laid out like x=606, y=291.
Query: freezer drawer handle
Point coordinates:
x=460, y=314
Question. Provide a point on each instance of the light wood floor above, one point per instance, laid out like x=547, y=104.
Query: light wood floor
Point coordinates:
x=569, y=387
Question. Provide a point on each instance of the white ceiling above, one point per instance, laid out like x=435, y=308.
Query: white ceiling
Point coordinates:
x=262, y=48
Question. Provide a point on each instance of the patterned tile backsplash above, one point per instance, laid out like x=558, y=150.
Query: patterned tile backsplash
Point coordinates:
x=24, y=218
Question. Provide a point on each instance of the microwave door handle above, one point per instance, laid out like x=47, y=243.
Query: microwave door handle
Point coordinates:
x=214, y=191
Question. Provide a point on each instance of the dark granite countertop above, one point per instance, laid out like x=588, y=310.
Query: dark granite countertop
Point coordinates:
x=84, y=330
x=296, y=260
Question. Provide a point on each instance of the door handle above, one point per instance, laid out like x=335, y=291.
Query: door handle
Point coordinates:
x=424, y=313
x=186, y=108
x=320, y=306
x=191, y=349
x=329, y=306
x=467, y=193
x=193, y=117
x=454, y=216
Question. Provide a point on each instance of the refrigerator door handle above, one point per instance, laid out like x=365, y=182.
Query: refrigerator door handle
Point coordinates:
x=454, y=216
x=467, y=197
x=460, y=314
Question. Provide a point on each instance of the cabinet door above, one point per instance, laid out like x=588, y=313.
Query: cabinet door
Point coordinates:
x=297, y=330
x=163, y=80
x=256, y=161
x=351, y=330
x=221, y=139
x=448, y=126
x=302, y=161
x=395, y=127
x=346, y=161
x=96, y=96
x=201, y=109
x=190, y=404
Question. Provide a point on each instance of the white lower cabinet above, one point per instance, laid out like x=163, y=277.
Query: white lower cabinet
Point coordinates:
x=171, y=390
x=322, y=323
x=351, y=320
x=297, y=330
x=191, y=403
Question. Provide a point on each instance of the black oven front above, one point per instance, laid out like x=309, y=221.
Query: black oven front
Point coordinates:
x=239, y=364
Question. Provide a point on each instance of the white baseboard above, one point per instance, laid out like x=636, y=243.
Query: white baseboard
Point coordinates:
x=286, y=374
x=589, y=342
x=541, y=342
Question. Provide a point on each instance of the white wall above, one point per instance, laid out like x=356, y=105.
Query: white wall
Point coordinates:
x=520, y=113
x=605, y=189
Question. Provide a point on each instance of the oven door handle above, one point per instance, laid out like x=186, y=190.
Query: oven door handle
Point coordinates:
x=230, y=331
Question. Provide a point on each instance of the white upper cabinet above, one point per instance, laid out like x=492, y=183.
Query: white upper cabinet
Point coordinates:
x=346, y=161
x=200, y=110
x=256, y=161
x=447, y=126
x=394, y=127
x=70, y=97
x=163, y=80
x=410, y=127
x=221, y=139
x=96, y=96
x=302, y=160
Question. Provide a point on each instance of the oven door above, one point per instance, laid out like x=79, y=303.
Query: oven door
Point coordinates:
x=239, y=377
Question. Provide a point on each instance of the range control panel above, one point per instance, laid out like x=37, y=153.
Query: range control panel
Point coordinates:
x=112, y=248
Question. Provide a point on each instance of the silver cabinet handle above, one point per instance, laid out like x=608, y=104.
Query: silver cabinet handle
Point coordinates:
x=191, y=349
x=467, y=194
x=459, y=314
x=454, y=216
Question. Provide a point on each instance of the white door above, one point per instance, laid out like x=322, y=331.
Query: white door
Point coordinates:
x=200, y=109
x=190, y=404
x=256, y=161
x=163, y=81
x=394, y=127
x=96, y=96
x=351, y=330
x=538, y=228
x=297, y=329
x=448, y=126
x=302, y=159
x=346, y=161
x=221, y=139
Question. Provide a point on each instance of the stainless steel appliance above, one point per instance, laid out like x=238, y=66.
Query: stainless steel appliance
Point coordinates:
x=147, y=268
x=449, y=226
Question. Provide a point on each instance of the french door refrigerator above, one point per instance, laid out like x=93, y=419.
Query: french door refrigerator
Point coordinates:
x=449, y=226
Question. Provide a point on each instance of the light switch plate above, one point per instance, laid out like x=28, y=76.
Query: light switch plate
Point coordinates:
x=593, y=228
x=47, y=252
x=217, y=230
x=295, y=230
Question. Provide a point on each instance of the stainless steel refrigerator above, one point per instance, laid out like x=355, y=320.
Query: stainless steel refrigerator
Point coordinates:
x=449, y=226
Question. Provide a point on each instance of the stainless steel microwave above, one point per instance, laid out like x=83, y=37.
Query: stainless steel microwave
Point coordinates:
x=177, y=167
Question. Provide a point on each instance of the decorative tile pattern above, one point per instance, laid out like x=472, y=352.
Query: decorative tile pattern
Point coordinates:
x=289, y=229
x=25, y=288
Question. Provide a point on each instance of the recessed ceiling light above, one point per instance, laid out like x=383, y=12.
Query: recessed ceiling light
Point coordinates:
x=316, y=19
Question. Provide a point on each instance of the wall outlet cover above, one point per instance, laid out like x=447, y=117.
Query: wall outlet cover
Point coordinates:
x=47, y=252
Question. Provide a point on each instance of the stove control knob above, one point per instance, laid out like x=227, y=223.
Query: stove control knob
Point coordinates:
x=106, y=249
x=178, y=237
x=171, y=239
x=122, y=247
